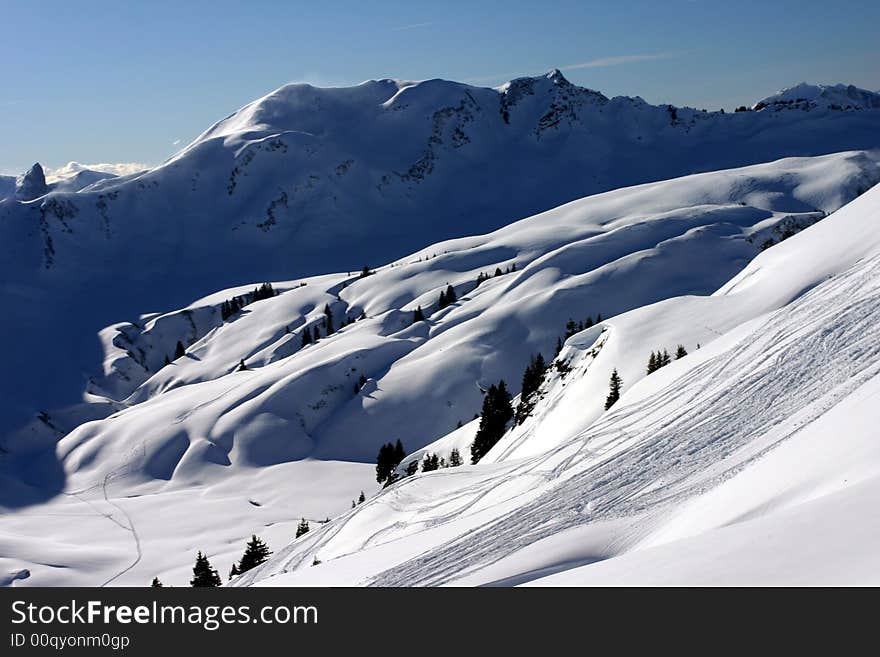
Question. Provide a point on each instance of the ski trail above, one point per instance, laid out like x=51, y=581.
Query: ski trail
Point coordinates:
x=806, y=371
x=130, y=527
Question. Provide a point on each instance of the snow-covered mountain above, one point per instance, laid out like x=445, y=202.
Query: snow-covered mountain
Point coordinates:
x=227, y=452
x=752, y=460
x=111, y=431
x=71, y=178
x=803, y=96
x=308, y=180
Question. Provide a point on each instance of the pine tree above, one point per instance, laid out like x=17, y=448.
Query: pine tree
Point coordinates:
x=303, y=526
x=533, y=376
x=430, y=463
x=255, y=553
x=157, y=584
x=167, y=360
x=203, y=574
x=418, y=315
x=451, y=298
x=498, y=271
x=306, y=336
x=179, y=351
x=241, y=366
x=383, y=462
x=328, y=317
x=442, y=303
x=680, y=352
x=362, y=498
x=496, y=413
x=387, y=460
x=365, y=272
x=652, y=363
x=614, y=391
x=455, y=458
x=570, y=328
x=664, y=359
x=234, y=571
x=399, y=453
x=412, y=467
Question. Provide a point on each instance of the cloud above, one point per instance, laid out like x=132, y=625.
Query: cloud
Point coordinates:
x=411, y=27
x=116, y=168
x=617, y=60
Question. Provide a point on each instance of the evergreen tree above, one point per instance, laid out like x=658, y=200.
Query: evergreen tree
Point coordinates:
x=498, y=271
x=442, y=303
x=680, y=352
x=303, y=526
x=306, y=336
x=365, y=272
x=652, y=363
x=316, y=333
x=328, y=317
x=570, y=328
x=255, y=553
x=399, y=453
x=241, y=366
x=362, y=498
x=203, y=574
x=430, y=463
x=451, y=298
x=496, y=413
x=388, y=459
x=167, y=360
x=412, y=467
x=383, y=462
x=664, y=358
x=614, y=390
x=558, y=347
x=455, y=458
x=531, y=381
x=234, y=571
x=156, y=583
x=418, y=315
x=179, y=351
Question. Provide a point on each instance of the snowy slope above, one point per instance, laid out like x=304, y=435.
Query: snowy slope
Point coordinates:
x=307, y=180
x=808, y=97
x=752, y=460
x=196, y=434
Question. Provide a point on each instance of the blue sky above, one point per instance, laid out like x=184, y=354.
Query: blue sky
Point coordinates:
x=101, y=81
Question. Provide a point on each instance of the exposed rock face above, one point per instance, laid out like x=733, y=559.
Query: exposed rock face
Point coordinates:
x=32, y=184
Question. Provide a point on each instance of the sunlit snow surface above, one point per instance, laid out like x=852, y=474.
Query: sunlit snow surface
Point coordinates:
x=196, y=456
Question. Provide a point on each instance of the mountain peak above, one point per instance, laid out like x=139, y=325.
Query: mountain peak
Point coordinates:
x=32, y=184
x=556, y=75
x=805, y=95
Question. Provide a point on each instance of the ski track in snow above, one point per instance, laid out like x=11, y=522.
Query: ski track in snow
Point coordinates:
x=813, y=368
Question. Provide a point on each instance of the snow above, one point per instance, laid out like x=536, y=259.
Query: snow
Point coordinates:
x=811, y=96
x=750, y=461
x=306, y=181
x=700, y=459
x=198, y=439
